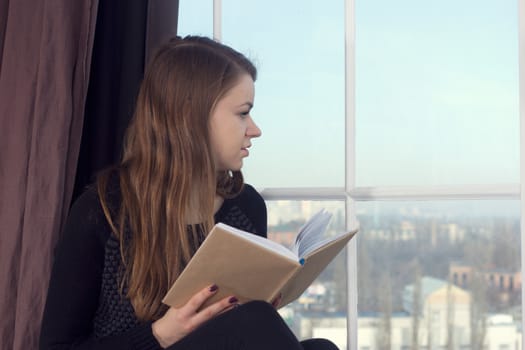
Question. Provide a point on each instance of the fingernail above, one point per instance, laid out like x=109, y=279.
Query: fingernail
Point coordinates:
x=213, y=288
x=233, y=300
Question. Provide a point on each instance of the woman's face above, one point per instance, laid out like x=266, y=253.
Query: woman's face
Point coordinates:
x=232, y=127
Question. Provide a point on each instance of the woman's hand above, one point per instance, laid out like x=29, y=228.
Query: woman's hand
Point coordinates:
x=277, y=301
x=177, y=323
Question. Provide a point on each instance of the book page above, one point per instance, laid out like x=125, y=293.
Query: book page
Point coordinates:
x=314, y=263
x=316, y=244
x=264, y=242
x=311, y=234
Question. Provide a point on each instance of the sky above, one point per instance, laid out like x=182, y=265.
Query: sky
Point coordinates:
x=436, y=89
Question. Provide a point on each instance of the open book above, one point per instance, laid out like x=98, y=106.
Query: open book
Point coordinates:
x=251, y=267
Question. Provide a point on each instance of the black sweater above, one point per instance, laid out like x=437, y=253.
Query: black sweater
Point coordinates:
x=84, y=309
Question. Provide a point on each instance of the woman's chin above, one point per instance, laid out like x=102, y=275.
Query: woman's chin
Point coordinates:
x=236, y=167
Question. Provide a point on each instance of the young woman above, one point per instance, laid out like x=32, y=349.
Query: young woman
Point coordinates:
x=130, y=235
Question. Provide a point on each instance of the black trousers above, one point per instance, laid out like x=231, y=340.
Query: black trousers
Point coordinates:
x=253, y=326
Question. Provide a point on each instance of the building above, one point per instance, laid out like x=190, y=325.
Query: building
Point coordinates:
x=501, y=282
x=442, y=320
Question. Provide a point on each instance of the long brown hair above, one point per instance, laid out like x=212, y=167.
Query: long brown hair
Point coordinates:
x=166, y=160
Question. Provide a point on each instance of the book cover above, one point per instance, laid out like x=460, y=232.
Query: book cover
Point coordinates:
x=255, y=268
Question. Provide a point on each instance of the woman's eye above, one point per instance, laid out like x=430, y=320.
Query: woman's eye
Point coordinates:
x=245, y=114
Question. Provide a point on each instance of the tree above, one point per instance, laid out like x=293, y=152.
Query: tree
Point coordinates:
x=450, y=317
x=478, y=309
x=429, y=327
x=366, y=277
x=339, y=277
x=384, y=333
x=506, y=248
x=477, y=253
x=416, y=306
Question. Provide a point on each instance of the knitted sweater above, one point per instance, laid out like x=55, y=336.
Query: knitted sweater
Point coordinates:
x=84, y=308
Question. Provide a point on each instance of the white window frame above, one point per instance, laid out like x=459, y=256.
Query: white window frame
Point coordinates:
x=351, y=194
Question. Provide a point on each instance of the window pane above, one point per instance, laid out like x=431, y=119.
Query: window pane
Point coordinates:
x=195, y=17
x=436, y=92
x=298, y=47
x=444, y=274
x=321, y=310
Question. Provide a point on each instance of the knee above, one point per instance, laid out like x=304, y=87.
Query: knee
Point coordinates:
x=318, y=344
x=260, y=313
x=259, y=307
x=259, y=324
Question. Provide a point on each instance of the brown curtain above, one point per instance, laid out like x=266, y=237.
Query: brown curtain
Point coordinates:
x=163, y=18
x=45, y=51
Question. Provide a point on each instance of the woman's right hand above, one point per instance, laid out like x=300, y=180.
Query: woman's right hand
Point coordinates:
x=177, y=323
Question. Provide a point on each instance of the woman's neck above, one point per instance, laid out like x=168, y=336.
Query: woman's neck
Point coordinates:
x=195, y=213
x=217, y=203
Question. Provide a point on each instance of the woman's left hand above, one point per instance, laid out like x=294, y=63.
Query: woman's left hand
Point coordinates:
x=179, y=322
x=275, y=302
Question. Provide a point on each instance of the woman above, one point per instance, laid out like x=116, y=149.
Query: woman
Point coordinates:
x=130, y=236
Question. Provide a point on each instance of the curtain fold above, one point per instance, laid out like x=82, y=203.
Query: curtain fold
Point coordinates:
x=4, y=5
x=46, y=71
x=117, y=69
x=163, y=18
x=45, y=57
x=126, y=32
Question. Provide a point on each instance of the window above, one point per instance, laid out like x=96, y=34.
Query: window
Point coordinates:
x=321, y=310
x=299, y=102
x=436, y=99
x=195, y=17
x=402, y=116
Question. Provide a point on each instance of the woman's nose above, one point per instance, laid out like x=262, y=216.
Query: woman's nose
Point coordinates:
x=253, y=129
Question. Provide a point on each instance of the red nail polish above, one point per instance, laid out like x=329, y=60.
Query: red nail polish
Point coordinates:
x=233, y=300
x=213, y=288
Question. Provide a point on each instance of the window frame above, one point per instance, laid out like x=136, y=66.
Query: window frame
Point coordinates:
x=351, y=194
